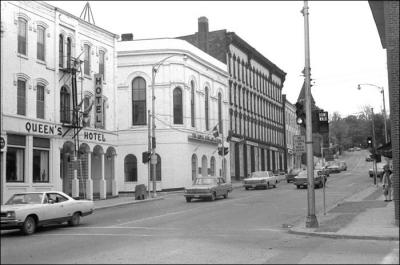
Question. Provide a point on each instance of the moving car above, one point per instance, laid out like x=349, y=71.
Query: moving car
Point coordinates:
x=28, y=210
x=379, y=170
x=292, y=173
x=333, y=167
x=342, y=165
x=301, y=180
x=369, y=159
x=263, y=179
x=208, y=187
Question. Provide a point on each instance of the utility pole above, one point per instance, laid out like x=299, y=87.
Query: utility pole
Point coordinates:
x=153, y=160
x=311, y=220
x=384, y=115
x=373, y=144
x=149, y=151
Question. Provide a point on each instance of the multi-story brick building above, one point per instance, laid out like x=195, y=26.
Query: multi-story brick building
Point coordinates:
x=386, y=16
x=39, y=46
x=255, y=97
x=191, y=98
x=292, y=160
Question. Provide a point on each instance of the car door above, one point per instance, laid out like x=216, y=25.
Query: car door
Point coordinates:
x=53, y=208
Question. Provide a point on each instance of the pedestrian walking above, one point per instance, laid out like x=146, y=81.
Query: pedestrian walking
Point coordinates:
x=387, y=183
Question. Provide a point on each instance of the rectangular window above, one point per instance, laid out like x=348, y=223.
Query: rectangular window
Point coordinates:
x=21, y=97
x=101, y=64
x=87, y=59
x=41, y=148
x=15, y=158
x=41, y=35
x=22, y=36
x=61, y=51
x=40, y=102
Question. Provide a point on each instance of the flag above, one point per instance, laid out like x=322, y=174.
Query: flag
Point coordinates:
x=215, y=131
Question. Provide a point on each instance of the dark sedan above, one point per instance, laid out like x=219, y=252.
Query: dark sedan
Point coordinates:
x=292, y=174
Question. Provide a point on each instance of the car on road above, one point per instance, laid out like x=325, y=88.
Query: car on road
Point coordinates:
x=379, y=170
x=301, y=180
x=369, y=159
x=342, y=165
x=351, y=149
x=333, y=167
x=357, y=148
x=292, y=173
x=280, y=175
x=208, y=187
x=28, y=210
x=264, y=179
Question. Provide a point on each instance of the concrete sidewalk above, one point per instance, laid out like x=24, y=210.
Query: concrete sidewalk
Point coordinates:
x=124, y=200
x=364, y=215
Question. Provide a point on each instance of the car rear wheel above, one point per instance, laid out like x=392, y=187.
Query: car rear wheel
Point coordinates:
x=226, y=195
x=213, y=196
x=75, y=220
x=246, y=188
x=188, y=199
x=298, y=186
x=276, y=182
x=29, y=226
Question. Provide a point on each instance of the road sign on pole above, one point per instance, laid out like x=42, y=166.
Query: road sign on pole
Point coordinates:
x=299, y=144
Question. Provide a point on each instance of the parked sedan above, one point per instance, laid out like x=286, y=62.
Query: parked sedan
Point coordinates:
x=264, y=179
x=208, y=187
x=301, y=180
x=26, y=211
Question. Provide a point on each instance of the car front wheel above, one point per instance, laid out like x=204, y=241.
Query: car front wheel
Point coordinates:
x=75, y=219
x=29, y=226
x=213, y=196
x=188, y=199
x=226, y=195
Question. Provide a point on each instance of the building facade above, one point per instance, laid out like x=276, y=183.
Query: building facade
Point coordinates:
x=256, y=113
x=40, y=47
x=292, y=160
x=191, y=99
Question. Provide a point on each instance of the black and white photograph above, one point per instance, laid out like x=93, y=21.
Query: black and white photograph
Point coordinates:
x=199, y=132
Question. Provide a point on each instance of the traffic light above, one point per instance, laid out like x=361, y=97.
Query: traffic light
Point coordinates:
x=226, y=151
x=300, y=114
x=323, y=122
x=369, y=141
x=146, y=157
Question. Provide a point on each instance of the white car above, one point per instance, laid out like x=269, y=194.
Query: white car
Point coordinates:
x=263, y=179
x=28, y=210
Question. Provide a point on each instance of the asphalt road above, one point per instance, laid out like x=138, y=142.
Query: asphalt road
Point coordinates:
x=248, y=227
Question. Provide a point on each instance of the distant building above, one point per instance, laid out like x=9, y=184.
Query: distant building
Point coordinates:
x=39, y=44
x=255, y=98
x=292, y=160
x=191, y=99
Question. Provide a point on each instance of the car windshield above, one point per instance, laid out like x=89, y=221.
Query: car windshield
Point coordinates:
x=27, y=198
x=205, y=181
x=258, y=174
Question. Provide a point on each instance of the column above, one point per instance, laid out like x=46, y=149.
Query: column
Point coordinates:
x=113, y=181
x=75, y=180
x=3, y=175
x=89, y=181
x=102, y=180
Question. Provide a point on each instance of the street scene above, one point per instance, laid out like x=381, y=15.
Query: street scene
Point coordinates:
x=136, y=139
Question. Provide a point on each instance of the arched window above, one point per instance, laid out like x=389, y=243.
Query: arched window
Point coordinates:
x=61, y=51
x=21, y=97
x=138, y=101
x=40, y=101
x=194, y=166
x=204, y=168
x=158, y=169
x=101, y=64
x=130, y=168
x=177, y=101
x=220, y=112
x=41, y=38
x=22, y=30
x=86, y=48
x=206, y=107
x=212, y=166
x=192, y=104
x=69, y=51
x=65, y=115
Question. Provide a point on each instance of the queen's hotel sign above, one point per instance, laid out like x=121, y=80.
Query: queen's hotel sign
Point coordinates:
x=98, y=100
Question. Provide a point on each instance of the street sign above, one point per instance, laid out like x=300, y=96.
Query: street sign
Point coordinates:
x=299, y=144
x=153, y=159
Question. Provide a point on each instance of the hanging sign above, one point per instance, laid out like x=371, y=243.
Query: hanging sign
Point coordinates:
x=98, y=100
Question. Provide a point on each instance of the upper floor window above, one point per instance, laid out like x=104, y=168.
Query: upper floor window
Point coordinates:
x=101, y=64
x=21, y=97
x=69, y=51
x=61, y=51
x=41, y=37
x=40, y=101
x=86, y=48
x=220, y=112
x=138, y=101
x=177, y=101
x=65, y=115
x=22, y=32
x=192, y=104
x=206, y=108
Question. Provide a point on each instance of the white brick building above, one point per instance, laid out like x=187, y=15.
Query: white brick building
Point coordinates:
x=191, y=98
x=38, y=45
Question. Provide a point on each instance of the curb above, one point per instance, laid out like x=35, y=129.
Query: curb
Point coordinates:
x=342, y=236
x=128, y=202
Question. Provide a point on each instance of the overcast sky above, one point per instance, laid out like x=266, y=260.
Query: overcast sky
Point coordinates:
x=345, y=48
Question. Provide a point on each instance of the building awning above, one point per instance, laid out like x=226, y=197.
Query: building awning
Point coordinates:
x=385, y=150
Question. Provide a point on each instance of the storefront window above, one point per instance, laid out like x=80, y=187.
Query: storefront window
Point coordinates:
x=15, y=164
x=40, y=166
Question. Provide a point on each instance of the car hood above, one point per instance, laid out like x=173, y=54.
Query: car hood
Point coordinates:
x=15, y=207
x=256, y=178
x=203, y=187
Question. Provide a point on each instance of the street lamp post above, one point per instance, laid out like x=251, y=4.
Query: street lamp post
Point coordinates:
x=384, y=105
x=153, y=160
